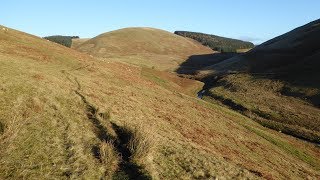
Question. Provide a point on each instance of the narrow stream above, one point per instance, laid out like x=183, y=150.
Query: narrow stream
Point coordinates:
x=201, y=93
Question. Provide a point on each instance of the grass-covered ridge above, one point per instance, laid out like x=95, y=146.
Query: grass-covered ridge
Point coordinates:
x=149, y=47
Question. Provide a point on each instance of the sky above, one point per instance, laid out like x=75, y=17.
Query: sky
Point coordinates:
x=253, y=20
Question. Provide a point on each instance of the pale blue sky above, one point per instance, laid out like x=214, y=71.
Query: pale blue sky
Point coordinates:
x=245, y=19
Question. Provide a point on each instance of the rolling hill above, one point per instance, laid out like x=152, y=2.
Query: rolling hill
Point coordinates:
x=67, y=115
x=144, y=46
x=276, y=81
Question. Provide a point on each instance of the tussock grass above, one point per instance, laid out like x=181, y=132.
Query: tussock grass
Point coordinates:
x=105, y=115
x=142, y=142
x=1, y=128
x=109, y=157
x=137, y=146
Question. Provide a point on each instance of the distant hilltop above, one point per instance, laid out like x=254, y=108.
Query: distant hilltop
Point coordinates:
x=217, y=43
x=63, y=40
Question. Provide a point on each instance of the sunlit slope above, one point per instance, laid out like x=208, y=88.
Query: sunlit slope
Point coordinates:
x=144, y=46
x=78, y=41
x=62, y=116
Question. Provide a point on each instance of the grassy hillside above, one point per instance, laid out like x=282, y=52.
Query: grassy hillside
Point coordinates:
x=65, y=115
x=77, y=41
x=217, y=43
x=144, y=46
x=276, y=82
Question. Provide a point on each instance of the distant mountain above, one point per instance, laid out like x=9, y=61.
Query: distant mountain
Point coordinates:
x=217, y=43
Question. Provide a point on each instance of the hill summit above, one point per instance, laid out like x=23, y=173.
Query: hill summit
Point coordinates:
x=147, y=46
x=131, y=41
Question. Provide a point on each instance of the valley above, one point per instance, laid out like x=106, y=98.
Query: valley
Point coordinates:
x=275, y=83
x=124, y=105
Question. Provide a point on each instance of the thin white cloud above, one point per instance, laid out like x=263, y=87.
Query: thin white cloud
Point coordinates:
x=254, y=40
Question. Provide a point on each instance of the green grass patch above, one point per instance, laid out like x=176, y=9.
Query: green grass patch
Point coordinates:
x=279, y=121
x=281, y=144
x=149, y=75
x=287, y=148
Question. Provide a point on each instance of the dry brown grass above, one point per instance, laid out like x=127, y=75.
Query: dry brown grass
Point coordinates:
x=172, y=82
x=142, y=143
x=109, y=157
x=48, y=134
x=77, y=42
x=144, y=46
x=137, y=146
x=243, y=50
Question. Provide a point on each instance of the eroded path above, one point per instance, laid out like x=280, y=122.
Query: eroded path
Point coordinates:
x=114, y=134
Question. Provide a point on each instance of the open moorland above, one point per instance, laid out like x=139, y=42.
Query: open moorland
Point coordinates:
x=65, y=114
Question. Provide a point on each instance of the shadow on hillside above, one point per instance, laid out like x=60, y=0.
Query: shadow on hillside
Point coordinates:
x=190, y=67
x=197, y=62
x=303, y=73
x=300, y=74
